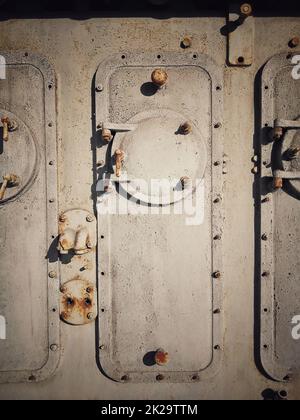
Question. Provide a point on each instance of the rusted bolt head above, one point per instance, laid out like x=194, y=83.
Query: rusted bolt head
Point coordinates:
x=185, y=128
x=216, y=274
x=90, y=316
x=53, y=347
x=159, y=77
x=246, y=9
x=294, y=42
x=12, y=125
x=161, y=357
x=106, y=134
x=186, y=42
x=99, y=88
x=277, y=183
x=52, y=274
x=89, y=218
x=185, y=182
x=277, y=133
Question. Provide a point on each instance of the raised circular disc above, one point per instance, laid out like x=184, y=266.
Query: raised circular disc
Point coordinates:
x=18, y=156
x=292, y=140
x=157, y=150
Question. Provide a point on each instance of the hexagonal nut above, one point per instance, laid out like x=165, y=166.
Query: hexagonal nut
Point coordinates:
x=159, y=77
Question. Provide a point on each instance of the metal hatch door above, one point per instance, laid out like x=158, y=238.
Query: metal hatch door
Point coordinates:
x=280, y=212
x=159, y=267
x=29, y=344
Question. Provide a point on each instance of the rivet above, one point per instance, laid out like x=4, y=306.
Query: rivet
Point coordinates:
x=264, y=237
x=99, y=88
x=186, y=42
x=161, y=357
x=217, y=347
x=159, y=77
x=217, y=237
x=52, y=274
x=246, y=9
x=217, y=311
x=294, y=42
x=160, y=377
x=90, y=316
x=51, y=163
x=51, y=200
x=217, y=274
x=265, y=274
x=90, y=218
x=53, y=347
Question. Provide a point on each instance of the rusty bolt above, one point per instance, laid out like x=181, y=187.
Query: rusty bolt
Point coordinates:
x=62, y=218
x=53, y=347
x=119, y=155
x=106, y=134
x=90, y=316
x=159, y=77
x=186, y=42
x=5, y=122
x=294, y=42
x=161, y=357
x=185, y=182
x=277, y=183
x=90, y=218
x=217, y=274
x=246, y=9
x=185, y=128
x=52, y=274
x=277, y=133
x=12, y=125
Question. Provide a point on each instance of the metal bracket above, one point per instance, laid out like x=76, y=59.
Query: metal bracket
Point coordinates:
x=240, y=35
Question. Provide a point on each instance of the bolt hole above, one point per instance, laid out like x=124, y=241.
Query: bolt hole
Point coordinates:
x=265, y=346
x=217, y=125
x=70, y=301
x=102, y=309
x=217, y=347
x=289, y=56
x=218, y=88
x=53, y=310
x=266, y=125
x=158, y=56
x=87, y=301
x=49, y=86
x=102, y=236
x=266, y=87
x=123, y=56
x=26, y=54
x=265, y=309
x=159, y=377
x=286, y=378
x=241, y=59
x=125, y=378
x=50, y=124
x=195, y=377
x=195, y=56
x=102, y=273
x=32, y=378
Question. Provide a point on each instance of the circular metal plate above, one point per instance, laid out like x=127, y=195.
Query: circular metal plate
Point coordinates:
x=157, y=150
x=18, y=156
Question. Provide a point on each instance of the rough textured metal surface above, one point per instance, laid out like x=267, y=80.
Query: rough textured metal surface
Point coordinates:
x=280, y=352
x=147, y=301
x=75, y=48
x=28, y=299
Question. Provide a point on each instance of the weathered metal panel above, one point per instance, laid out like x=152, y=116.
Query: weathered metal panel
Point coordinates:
x=280, y=210
x=28, y=212
x=157, y=288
